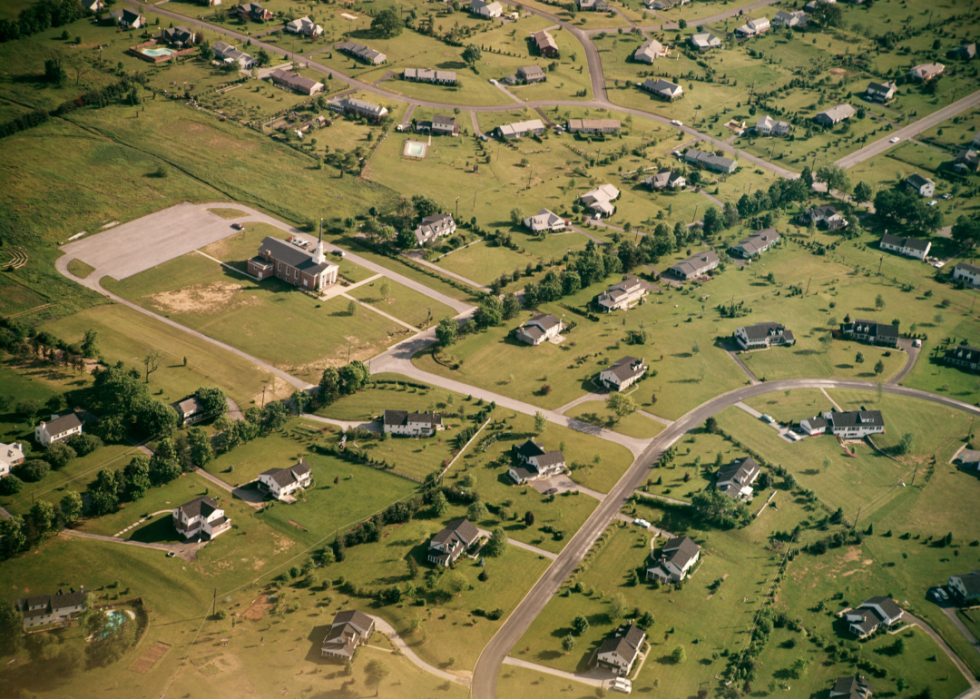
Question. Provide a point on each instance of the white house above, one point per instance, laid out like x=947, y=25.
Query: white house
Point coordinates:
x=41, y=610
x=796, y=19
x=763, y=335
x=618, y=652
x=922, y=186
x=11, y=456
x=619, y=297
x=823, y=216
x=521, y=129
x=490, y=10
x=304, y=26
x=927, y=71
x=349, y=630
x=871, y=332
x=910, y=247
x=545, y=220
x=127, y=19
x=533, y=462
x=767, y=126
x=872, y=614
x=623, y=373
x=736, y=479
x=967, y=273
x=966, y=586
x=665, y=179
x=756, y=244
x=695, y=265
x=853, y=424
x=93, y=5
x=662, y=88
x=58, y=429
x=601, y=199
x=754, y=27
x=435, y=226
x=402, y=422
x=539, y=329
x=200, y=517
x=710, y=161
x=229, y=54
x=649, y=51
x=189, y=410
x=962, y=356
x=705, y=41
x=835, y=115
x=677, y=557
x=452, y=542
x=881, y=92
x=281, y=483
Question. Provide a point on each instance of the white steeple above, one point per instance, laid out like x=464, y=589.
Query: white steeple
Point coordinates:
x=318, y=255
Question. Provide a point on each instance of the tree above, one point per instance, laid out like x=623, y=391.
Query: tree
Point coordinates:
x=447, y=331
x=457, y=583
x=879, y=302
x=59, y=455
x=678, y=656
x=879, y=367
x=622, y=405
x=568, y=644
x=71, y=507
x=477, y=511
x=711, y=425
x=42, y=516
x=353, y=376
x=440, y=505
x=580, y=624
x=490, y=313
x=540, y=422
x=618, y=607
x=151, y=362
x=966, y=231
x=11, y=485
x=212, y=400
x=375, y=673
x=352, y=308
x=498, y=542
x=156, y=418
x=836, y=178
x=528, y=519
x=799, y=668
x=863, y=192
x=472, y=54
x=136, y=477
x=329, y=385
x=103, y=502
x=33, y=470
x=11, y=628
x=516, y=216
x=202, y=452
x=859, y=358
x=907, y=444
x=387, y=23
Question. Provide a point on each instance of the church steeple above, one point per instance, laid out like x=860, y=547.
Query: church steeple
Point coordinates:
x=318, y=255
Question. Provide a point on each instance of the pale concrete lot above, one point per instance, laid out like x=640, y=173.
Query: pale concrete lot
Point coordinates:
x=139, y=245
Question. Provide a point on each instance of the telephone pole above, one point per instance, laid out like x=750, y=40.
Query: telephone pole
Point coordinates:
x=807, y=293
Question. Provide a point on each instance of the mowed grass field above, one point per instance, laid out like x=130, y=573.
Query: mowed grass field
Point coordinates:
x=260, y=318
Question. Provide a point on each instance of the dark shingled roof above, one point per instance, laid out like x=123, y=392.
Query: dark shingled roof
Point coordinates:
x=287, y=476
x=461, y=529
x=760, y=331
x=914, y=243
x=741, y=469
x=403, y=417
x=352, y=616
x=680, y=551
x=854, y=418
x=293, y=256
x=626, y=642
x=627, y=367
x=852, y=687
x=529, y=448
x=202, y=506
x=63, y=424
x=869, y=620
x=971, y=582
x=887, y=605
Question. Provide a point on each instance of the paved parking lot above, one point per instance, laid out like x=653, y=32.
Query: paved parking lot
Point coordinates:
x=149, y=241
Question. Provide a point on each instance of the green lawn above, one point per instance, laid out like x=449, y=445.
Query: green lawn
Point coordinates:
x=635, y=425
x=483, y=262
x=403, y=303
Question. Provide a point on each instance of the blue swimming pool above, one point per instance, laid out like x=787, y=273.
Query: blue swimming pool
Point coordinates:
x=156, y=53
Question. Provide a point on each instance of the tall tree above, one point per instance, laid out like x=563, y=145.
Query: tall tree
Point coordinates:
x=387, y=23
x=151, y=362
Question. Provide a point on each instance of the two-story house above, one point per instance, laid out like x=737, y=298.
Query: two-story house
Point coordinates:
x=825, y=216
x=871, y=332
x=601, y=199
x=349, y=630
x=881, y=92
x=623, y=373
x=851, y=424
x=533, y=462
x=677, y=557
x=189, y=411
x=966, y=586
x=964, y=357
x=621, y=296
x=619, y=652
x=665, y=179
x=735, y=480
x=435, y=226
x=281, y=483
x=404, y=423
x=201, y=517
x=487, y=10
x=450, y=543
x=763, y=335
x=966, y=273
x=874, y=613
x=910, y=247
x=922, y=186
x=545, y=220
x=851, y=688
x=41, y=610
x=11, y=456
x=540, y=328
x=58, y=429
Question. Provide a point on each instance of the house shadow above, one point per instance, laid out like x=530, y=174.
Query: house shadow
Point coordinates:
x=451, y=65
x=159, y=531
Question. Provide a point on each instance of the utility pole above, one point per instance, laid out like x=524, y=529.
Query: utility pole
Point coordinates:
x=457, y=208
x=263, y=395
x=808, y=285
x=348, y=352
x=214, y=601
x=880, y=260
x=695, y=213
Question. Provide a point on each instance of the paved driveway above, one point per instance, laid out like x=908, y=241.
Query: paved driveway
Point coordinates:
x=151, y=240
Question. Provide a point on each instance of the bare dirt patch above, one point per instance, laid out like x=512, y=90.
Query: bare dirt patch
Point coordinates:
x=146, y=661
x=258, y=608
x=209, y=298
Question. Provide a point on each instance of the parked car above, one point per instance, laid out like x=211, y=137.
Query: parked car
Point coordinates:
x=676, y=123
x=769, y=418
x=933, y=202
x=339, y=253
x=942, y=593
x=917, y=343
x=946, y=196
x=621, y=685
x=238, y=226
x=895, y=140
x=171, y=554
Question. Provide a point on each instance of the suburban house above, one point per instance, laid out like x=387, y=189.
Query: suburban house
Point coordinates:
x=966, y=273
x=735, y=480
x=200, y=517
x=521, y=129
x=545, y=220
x=969, y=459
x=547, y=46
x=127, y=19
x=228, y=54
x=281, y=483
x=910, y=247
x=763, y=335
x=362, y=52
x=360, y=108
x=41, y=610
x=209, y=3
x=593, y=126
x=664, y=4
x=705, y=41
x=57, y=429
x=967, y=587
x=11, y=456
x=619, y=297
x=835, y=115
x=253, y=11
x=874, y=613
x=533, y=462
x=435, y=226
x=662, y=88
x=825, y=216
x=961, y=356
x=531, y=74
x=295, y=82
x=305, y=26
x=601, y=199
x=881, y=92
x=922, y=186
x=965, y=52
x=93, y=5
x=649, y=51
x=851, y=688
x=440, y=125
x=695, y=265
x=539, y=329
x=178, y=37
x=796, y=19
x=853, y=424
x=967, y=161
x=871, y=332
x=665, y=179
x=294, y=264
x=618, y=652
x=402, y=422
x=427, y=75
x=623, y=373
x=452, y=542
x=189, y=411
x=754, y=27
x=677, y=557
x=976, y=140
x=767, y=126
x=593, y=5
x=927, y=71
x=488, y=10
x=348, y=630
x=710, y=161
x=756, y=244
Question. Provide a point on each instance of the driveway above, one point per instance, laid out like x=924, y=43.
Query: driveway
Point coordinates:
x=187, y=551
x=913, y=355
x=562, y=483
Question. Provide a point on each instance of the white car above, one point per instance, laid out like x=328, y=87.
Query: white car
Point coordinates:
x=492, y=81
x=622, y=685
x=769, y=418
x=676, y=123
x=932, y=203
x=895, y=140
x=917, y=343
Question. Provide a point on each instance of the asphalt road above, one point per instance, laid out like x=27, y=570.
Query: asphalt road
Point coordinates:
x=488, y=666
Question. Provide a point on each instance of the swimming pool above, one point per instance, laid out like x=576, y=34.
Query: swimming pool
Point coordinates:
x=156, y=53
x=114, y=623
x=415, y=149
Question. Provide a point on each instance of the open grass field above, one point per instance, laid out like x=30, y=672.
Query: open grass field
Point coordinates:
x=259, y=317
x=483, y=263
x=635, y=425
x=791, y=406
x=408, y=305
